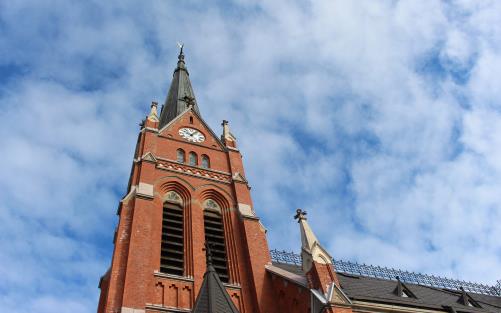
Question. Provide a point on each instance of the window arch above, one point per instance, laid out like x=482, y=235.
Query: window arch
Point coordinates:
x=180, y=155
x=193, y=159
x=172, y=247
x=214, y=236
x=205, y=161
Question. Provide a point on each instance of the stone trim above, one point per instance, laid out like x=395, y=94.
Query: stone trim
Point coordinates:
x=131, y=310
x=131, y=194
x=233, y=286
x=145, y=190
x=246, y=210
x=254, y=218
x=160, y=308
x=149, y=157
x=297, y=279
x=176, y=277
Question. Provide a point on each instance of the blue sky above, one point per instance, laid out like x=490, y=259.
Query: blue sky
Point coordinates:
x=382, y=119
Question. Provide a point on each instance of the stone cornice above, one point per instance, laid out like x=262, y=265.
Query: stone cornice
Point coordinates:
x=175, y=277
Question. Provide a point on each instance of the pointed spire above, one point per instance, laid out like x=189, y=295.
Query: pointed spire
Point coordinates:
x=213, y=297
x=311, y=249
x=181, y=95
x=308, y=238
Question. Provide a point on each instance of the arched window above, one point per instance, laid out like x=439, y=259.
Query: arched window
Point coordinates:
x=172, y=247
x=214, y=236
x=205, y=161
x=180, y=155
x=193, y=159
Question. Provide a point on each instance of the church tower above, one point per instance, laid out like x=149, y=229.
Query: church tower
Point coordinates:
x=187, y=187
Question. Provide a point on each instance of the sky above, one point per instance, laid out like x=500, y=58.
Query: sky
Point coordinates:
x=381, y=119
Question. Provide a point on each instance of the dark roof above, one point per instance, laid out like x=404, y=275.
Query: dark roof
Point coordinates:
x=380, y=290
x=383, y=291
x=213, y=297
x=180, y=94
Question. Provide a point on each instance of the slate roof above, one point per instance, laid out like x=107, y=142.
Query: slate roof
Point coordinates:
x=380, y=290
x=180, y=94
x=383, y=291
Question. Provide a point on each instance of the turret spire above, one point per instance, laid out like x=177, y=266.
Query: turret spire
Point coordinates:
x=181, y=95
x=311, y=250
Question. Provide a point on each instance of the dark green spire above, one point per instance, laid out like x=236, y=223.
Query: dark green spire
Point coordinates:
x=180, y=95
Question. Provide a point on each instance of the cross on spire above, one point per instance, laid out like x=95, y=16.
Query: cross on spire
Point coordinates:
x=300, y=215
x=208, y=255
x=190, y=101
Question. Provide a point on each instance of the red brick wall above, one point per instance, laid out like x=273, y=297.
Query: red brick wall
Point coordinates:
x=289, y=297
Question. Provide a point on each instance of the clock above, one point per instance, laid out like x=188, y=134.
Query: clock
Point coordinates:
x=191, y=134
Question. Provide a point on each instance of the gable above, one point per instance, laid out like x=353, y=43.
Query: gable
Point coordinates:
x=191, y=119
x=336, y=295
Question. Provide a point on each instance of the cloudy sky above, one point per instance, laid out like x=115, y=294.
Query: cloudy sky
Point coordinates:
x=381, y=118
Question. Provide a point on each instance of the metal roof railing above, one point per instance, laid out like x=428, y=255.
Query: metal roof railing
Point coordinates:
x=391, y=274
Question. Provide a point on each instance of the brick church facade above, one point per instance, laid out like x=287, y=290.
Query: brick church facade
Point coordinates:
x=188, y=194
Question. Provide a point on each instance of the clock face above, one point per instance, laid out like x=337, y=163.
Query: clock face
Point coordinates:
x=191, y=134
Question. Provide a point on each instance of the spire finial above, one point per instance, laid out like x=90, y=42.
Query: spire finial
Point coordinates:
x=180, y=57
x=300, y=215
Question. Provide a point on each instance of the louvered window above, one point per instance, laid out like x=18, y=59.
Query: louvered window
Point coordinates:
x=214, y=236
x=172, y=254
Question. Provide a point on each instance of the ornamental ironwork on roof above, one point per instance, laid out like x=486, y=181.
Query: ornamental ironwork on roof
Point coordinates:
x=391, y=274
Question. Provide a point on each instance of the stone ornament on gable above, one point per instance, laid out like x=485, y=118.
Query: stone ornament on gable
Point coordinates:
x=173, y=197
x=212, y=205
